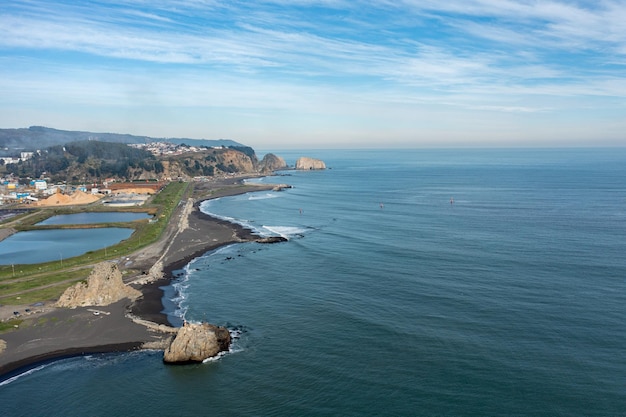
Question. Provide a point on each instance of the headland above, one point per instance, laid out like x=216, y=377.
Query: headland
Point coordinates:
x=52, y=333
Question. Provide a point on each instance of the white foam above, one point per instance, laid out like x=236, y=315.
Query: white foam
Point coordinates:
x=215, y=358
x=263, y=197
x=16, y=377
x=235, y=334
x=287, y=232
x=241, y=222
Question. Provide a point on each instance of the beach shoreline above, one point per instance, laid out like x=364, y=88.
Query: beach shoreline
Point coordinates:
x=130, y=325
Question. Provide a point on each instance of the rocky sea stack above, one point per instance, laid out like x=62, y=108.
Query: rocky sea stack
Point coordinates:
x=272, y=163
x=196, y=342
x=305, y=163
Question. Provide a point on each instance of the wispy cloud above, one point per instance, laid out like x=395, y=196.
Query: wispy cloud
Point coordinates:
x=508, y=56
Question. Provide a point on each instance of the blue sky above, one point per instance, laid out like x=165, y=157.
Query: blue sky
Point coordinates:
x=318, y=74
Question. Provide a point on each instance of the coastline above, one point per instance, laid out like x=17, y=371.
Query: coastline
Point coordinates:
x=130, y=325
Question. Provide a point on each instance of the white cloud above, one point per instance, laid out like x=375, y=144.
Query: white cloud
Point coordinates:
x=401, y=63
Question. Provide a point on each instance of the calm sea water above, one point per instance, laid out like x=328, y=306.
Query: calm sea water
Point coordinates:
x=389, y=299
x=37, y=246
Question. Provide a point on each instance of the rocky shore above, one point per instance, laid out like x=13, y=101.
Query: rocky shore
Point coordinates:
x=135, y=321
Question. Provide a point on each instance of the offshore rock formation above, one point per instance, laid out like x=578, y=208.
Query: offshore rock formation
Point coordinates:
x=271, y=162
x=309, y=163
x=196, y=342
x=103, y=287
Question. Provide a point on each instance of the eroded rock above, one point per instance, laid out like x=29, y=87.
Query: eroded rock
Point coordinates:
x=103, y=287
x=271, y=163
x=306, y=163
x=196, y=342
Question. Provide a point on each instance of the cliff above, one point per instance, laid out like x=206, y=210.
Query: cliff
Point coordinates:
x=103, y=287
x=207, y=162
x=197, y=342
x=306, y=163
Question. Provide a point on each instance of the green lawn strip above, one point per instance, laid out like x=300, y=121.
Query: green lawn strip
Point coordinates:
x=41, y=280
x=67, y=277
x=37, y=295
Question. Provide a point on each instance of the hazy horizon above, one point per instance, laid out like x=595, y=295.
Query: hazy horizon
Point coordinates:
x=332, y=74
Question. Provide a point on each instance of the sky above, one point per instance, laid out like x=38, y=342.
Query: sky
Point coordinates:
x=320, y=74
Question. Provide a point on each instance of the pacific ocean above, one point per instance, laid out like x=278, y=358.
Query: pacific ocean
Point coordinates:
x=414, y=282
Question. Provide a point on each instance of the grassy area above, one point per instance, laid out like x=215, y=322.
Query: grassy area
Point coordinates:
x=32, y=277
x=9, y=325
x=40, y=280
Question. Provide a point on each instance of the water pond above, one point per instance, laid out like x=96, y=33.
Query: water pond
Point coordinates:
x=37, y=246
x=91, y=218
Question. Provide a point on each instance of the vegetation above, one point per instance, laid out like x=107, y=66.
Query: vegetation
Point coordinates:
x=9, y=325
x=93, y=161
x=34, y=282
x=40, y=137
x=86, y=160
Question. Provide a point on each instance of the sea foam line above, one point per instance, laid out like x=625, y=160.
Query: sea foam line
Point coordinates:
x=287, y=232
x=16, y=377
x=241, y=222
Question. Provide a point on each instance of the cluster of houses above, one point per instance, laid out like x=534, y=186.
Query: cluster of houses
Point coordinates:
x=166, y=148
x=24, y=156
x=11, y=191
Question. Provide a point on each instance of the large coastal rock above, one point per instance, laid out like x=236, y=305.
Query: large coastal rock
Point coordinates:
x=103, y=287
x=309, y=163
x=196, y=342
x=271, y=162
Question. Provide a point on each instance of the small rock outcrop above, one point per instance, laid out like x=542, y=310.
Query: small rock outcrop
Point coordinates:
x=271, y=162
x=271, y=239
x=306, y=163
x=103, y=287
x=196, y=342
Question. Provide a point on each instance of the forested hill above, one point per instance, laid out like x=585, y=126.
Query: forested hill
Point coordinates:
x=39, y=137
x=87, y=159
x=90, y=161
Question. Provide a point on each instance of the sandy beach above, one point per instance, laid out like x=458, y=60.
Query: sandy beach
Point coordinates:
x=128, y=325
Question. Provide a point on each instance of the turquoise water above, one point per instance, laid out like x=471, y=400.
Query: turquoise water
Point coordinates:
x=37, y=246
x=389, y=299
x=91, y=218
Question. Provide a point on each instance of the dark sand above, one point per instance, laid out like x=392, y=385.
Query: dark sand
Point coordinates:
x=69, y=332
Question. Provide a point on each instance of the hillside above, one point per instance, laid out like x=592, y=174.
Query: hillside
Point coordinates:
x=39, y=137
x=93, y=161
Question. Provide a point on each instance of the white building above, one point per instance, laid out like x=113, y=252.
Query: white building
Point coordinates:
x=41, y=185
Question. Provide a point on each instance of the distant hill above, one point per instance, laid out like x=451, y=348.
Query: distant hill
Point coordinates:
x=39, y=137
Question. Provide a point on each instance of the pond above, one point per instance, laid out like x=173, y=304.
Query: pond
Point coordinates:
x=91, y=218
x=37, y=246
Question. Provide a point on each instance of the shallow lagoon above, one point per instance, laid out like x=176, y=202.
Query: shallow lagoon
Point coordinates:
x=92, y=218
x=37, y=246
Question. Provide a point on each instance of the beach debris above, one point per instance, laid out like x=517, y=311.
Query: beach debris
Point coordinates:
x=103, y=287
x=98, y=312
x=196, y=342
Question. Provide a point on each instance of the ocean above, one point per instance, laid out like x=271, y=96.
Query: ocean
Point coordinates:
x=455, y=282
